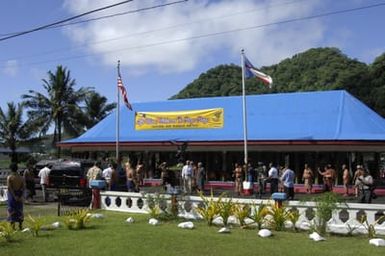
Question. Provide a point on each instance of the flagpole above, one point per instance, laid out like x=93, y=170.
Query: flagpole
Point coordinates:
x=244, y=109
x=117, y=116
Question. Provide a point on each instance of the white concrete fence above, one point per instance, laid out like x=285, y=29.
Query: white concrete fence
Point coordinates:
x=344, y=220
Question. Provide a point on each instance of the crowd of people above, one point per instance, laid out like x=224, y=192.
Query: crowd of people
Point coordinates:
x=191, y=177
x=282, y=179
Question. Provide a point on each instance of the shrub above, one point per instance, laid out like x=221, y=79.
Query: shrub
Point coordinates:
x=259, y=215
x=241, y=211
x=6, y=231
x=35, y=225
x=325, y=205
x=278, y=217
x=210, y=208
x=226, y=209
x=77, y=219
x=370, y=228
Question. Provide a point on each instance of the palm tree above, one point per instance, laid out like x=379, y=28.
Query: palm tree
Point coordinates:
x=13, y=130
x=59, y=107
x=96, y=108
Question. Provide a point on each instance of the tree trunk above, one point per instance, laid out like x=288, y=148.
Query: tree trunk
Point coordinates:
x=59, y=123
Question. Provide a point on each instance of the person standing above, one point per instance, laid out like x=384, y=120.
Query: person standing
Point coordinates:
x=44, y=175
x=130, y=176
x=307, y=177
x=187, y=172
x=106, y=174
x=345, y=179
x=201, y=176
x=95, y=173
x=364, y=183
x=273, y=178
x=327, y=175
x=15, y=191
x=287, y=179
x=238, y=172
x=29, y=179
x=140, y=173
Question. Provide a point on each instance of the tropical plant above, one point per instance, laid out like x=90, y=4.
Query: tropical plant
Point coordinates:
x=226, y=209
x=242, y=211
x=370, y=228
x=210, y=209
x=260, y=212
x=279, y=215
x=6, y=231
x=35, y=225
x=293, y=217
x=96, y=108
x=13, y=130
x=77, y=219
x=59, y=107
x=325, y=205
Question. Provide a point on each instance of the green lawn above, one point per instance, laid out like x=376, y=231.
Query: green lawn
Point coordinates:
x=112, y=236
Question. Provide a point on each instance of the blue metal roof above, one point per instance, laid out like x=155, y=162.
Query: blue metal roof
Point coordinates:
x=325, y=115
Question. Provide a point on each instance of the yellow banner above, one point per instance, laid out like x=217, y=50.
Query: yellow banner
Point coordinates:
x=190, y=119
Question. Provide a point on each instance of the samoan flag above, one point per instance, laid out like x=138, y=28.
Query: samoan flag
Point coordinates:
x=251, y=71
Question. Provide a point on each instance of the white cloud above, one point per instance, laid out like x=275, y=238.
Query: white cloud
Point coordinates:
x=10, y=68
x=143, y=51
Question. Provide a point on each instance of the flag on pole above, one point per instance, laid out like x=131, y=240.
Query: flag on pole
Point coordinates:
x=251, y=71
x=124, y=93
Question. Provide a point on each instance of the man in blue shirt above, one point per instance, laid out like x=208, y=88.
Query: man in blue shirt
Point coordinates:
x=287, y=178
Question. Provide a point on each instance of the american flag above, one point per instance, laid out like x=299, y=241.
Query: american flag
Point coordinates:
x=124, y=93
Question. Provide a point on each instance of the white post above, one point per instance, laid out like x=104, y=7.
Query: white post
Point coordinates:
x=117, y=115
x=244, y=109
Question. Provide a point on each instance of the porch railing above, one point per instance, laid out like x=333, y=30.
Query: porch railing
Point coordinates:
x=345, y=219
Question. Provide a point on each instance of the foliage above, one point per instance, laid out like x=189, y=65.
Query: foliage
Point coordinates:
x=325, y=205
x=370, y=228
x=77, y=219
x=210, y=208
x=35, y=225
x=316, y=69
x=13, y=130
x=260, y=212
x=6, y=231
x=242, y=211
x=226, y=209
x=279, y=215
x=159, y=202
x=59, y=106
x=96, y=108
x=293, y=217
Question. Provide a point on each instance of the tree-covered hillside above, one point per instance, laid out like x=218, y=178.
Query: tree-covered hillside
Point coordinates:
x=314, y=70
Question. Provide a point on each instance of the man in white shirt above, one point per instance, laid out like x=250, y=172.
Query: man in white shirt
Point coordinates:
x=43, y=174
x=187, y=177
x=273, y=178
x=107, y=173
x=287, y=178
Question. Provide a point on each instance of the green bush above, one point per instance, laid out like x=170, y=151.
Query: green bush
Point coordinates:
x=241, y=211
x=226, y=209
x=210, y=208
x=260, y=212
x=35, y=225
x=279, y=215
x=6, y=231
x=77, y=219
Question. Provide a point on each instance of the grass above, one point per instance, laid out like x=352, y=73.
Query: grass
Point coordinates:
x=112, y=236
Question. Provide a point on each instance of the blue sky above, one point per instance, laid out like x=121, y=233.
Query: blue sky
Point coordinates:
x=157, y=53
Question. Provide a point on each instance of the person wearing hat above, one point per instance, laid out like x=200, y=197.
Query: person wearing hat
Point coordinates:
x=364, y=184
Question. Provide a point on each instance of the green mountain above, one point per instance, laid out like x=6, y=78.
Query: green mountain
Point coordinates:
x=313, y=70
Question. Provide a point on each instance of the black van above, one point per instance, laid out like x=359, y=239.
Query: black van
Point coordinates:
x=68, y=178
